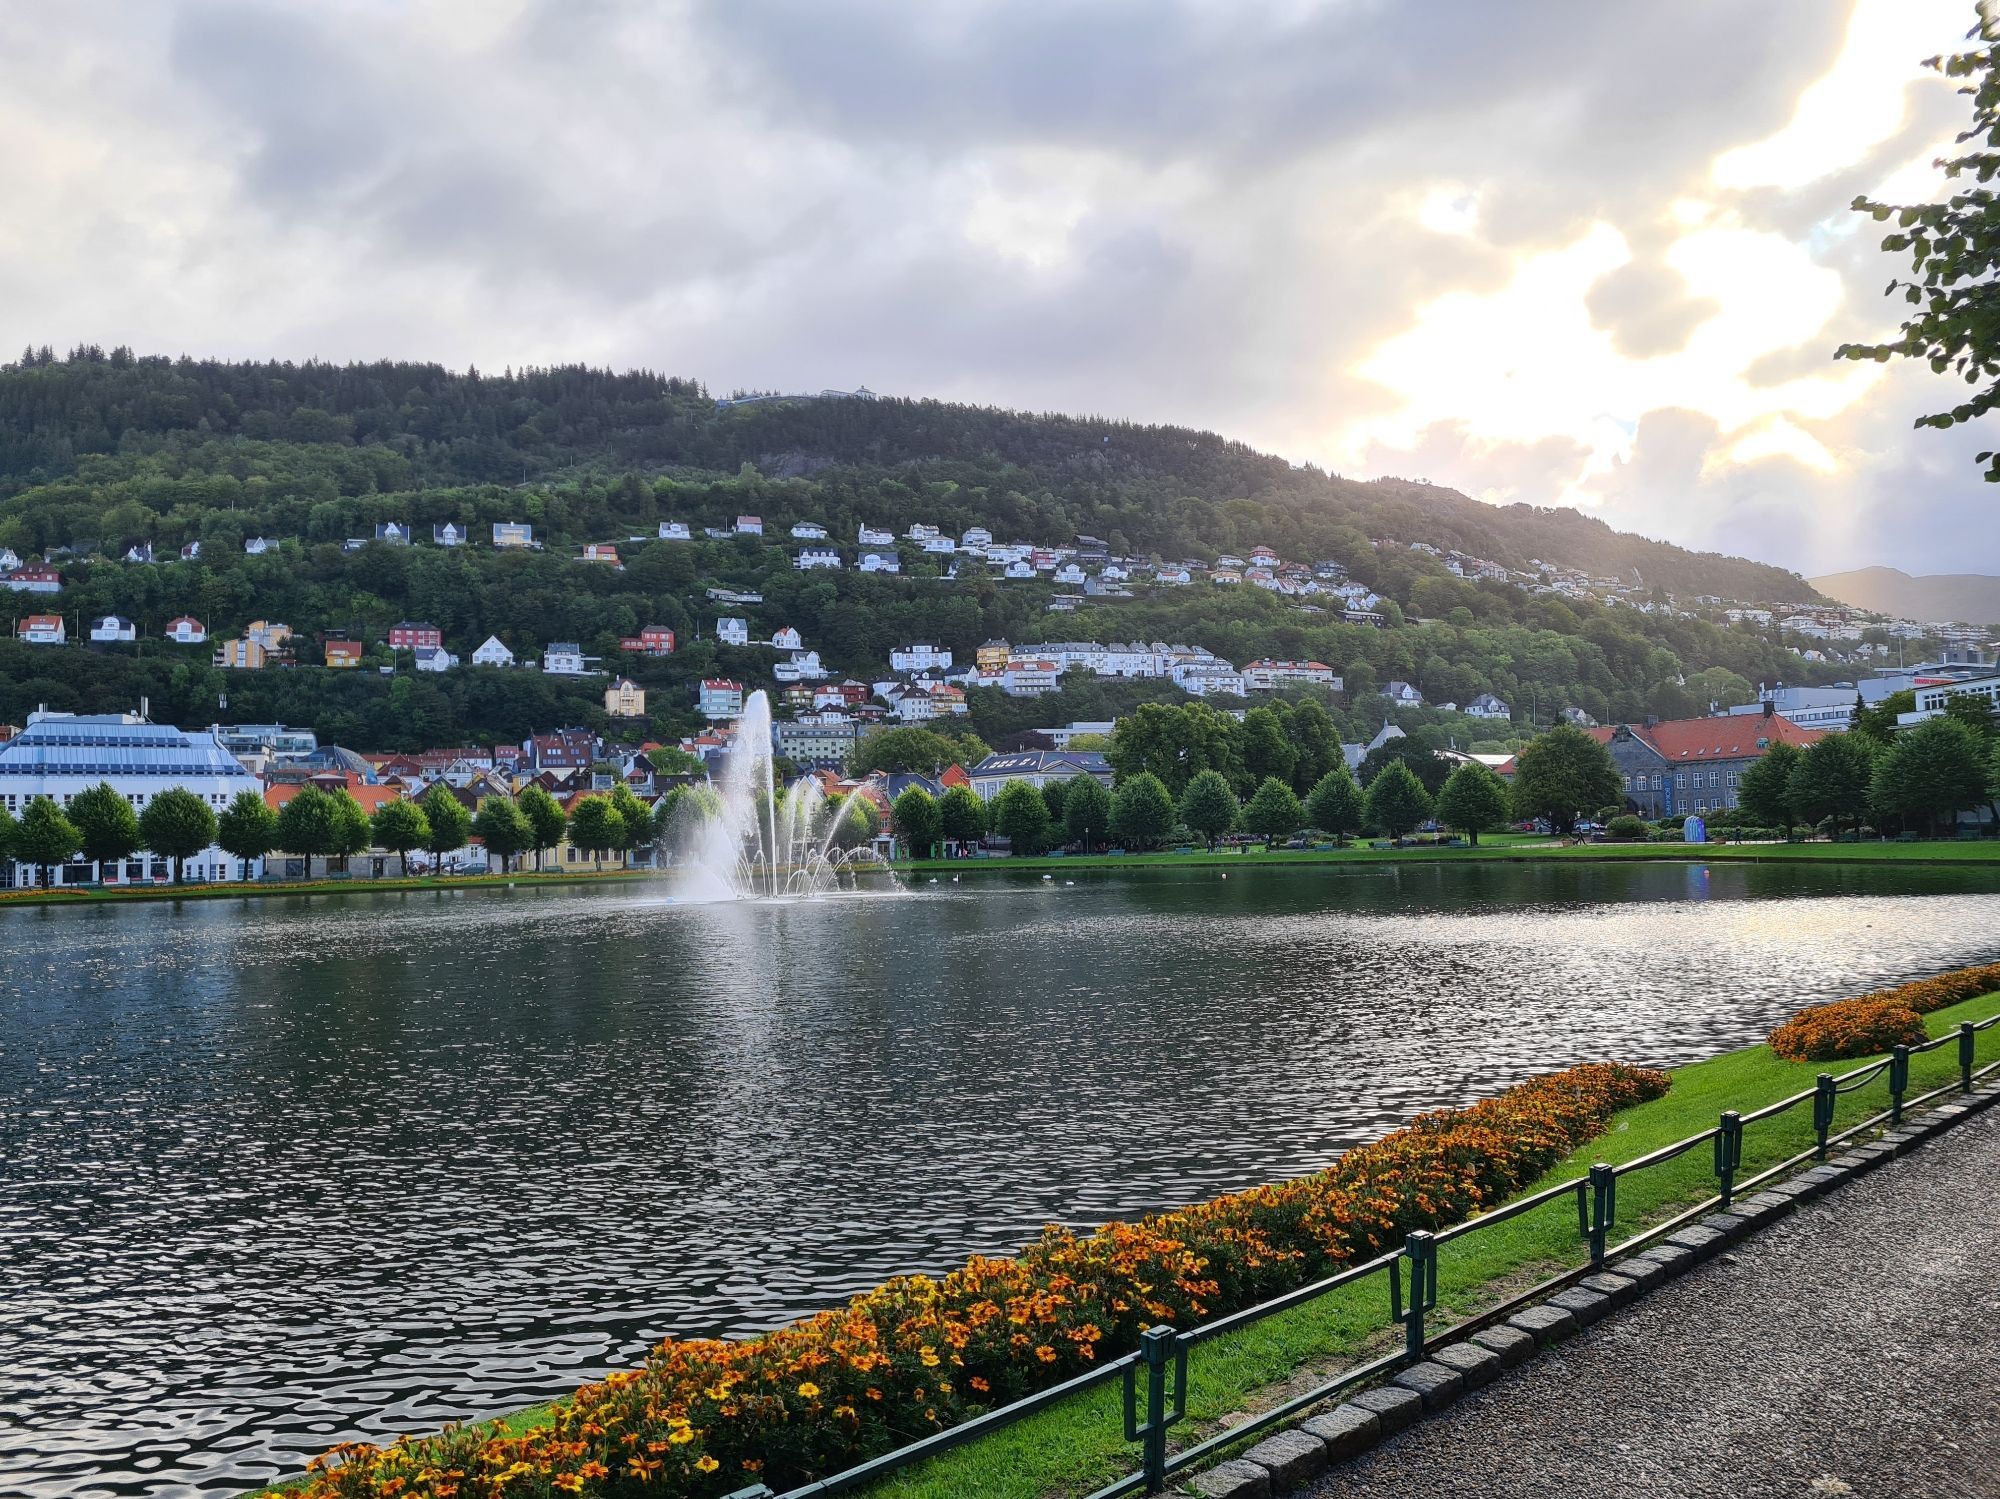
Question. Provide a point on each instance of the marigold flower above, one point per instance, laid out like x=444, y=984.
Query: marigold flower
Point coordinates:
x=809, y=1390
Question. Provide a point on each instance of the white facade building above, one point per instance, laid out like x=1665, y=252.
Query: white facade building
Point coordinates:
x=492, y=653
x=112, y=627
x=59, y=755
x=563, y=658
x=922, y=655
x=731, y=630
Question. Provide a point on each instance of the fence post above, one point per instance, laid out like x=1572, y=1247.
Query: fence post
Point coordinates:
x=1603, y=1208
x=1728, y=1152
x=1155, y=1343
x=1966, y=1038
x=1899, y=1081
x=1420, y=1249
x=1823, y=1100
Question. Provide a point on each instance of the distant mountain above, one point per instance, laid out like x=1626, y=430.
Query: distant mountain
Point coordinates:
x=1933, y=598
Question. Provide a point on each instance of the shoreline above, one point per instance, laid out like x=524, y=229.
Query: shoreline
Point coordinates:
x=1938, y=854
x=78, y=895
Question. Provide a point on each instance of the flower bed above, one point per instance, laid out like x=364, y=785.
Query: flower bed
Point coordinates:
x=704, y=1417
x=1869, y=1024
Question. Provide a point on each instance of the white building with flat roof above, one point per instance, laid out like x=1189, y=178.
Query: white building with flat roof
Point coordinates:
x=59, y=755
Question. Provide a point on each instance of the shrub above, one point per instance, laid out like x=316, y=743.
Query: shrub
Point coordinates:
x=1847, y=1028
x=1626, y=828
x=705, y=1417
x=1872, y=1023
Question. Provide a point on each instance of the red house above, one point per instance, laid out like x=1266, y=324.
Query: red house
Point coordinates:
x=654, y=640
x=409, y=636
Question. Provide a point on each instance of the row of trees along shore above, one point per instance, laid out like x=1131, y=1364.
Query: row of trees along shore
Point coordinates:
x=1143, y=814
x=102, y=828
x=1915, y=777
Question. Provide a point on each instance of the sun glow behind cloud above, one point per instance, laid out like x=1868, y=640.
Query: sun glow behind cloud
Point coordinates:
x=1528, y=363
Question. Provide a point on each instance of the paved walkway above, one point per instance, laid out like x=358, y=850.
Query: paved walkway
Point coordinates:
x=1851, y=1348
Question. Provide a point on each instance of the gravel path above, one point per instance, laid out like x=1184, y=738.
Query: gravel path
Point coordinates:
x=1852, y=1348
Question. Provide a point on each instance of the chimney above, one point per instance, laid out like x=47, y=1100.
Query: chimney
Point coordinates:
x=1770, y=708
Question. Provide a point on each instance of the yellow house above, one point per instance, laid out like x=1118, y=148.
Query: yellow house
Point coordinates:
x=241, y=655
x=992, y=656
x=625, y=698
x=342, y=654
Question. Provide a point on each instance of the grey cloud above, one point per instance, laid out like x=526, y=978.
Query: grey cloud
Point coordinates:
x=1647, y=308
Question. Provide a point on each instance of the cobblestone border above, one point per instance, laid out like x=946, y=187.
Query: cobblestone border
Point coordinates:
x=1298, y=1454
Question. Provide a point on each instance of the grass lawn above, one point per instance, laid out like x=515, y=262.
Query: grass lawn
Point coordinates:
x=1077, y=1446
x=252, y=889
x=1492, y=846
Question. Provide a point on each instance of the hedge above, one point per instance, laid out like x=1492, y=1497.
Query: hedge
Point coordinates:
x=704, y=1417
x=1869, y=1024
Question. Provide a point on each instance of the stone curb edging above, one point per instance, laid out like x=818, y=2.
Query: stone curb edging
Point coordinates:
x=1295, y=1455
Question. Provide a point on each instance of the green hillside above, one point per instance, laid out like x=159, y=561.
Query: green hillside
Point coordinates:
x=99, y=451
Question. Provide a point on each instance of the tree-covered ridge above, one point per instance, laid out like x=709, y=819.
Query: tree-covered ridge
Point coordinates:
x=390, y=429
x=170, y=453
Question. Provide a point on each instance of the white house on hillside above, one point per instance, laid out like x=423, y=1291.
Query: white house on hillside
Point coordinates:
x=492, y=653
x=112, y=627
x=922, y=655
x=731, y=630
x=563, y=658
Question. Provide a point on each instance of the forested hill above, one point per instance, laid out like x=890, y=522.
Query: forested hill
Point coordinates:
x=311, y=434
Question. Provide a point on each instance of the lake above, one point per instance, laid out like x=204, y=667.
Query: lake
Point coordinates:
x=275, y=1173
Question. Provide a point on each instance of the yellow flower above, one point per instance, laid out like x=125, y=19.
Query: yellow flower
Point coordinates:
x=929, y=1356
x=707, y=1464
x=680, y=1436
x=809, y=1391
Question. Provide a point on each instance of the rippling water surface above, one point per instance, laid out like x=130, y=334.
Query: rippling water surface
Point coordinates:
x=278, y=1173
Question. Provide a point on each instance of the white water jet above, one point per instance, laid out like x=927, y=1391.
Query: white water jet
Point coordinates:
x=746, y=839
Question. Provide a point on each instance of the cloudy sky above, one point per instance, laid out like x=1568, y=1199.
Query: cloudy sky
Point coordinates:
x=1592, y=252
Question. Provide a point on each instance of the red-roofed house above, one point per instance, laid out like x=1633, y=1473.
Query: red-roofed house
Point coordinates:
x=1684, y=765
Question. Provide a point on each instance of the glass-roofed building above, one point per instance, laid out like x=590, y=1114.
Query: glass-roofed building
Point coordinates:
x=60, y=754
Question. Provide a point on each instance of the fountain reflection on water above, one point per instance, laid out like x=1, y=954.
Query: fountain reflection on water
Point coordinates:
x=745, y=839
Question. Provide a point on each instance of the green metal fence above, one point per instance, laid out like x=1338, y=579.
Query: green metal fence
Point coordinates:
x=1155, y=1375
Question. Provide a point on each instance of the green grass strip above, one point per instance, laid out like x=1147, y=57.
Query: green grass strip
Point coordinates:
x=1493, y=848
x=258, y=889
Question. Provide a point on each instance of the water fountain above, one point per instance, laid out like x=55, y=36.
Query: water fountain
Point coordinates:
x=745, y=839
